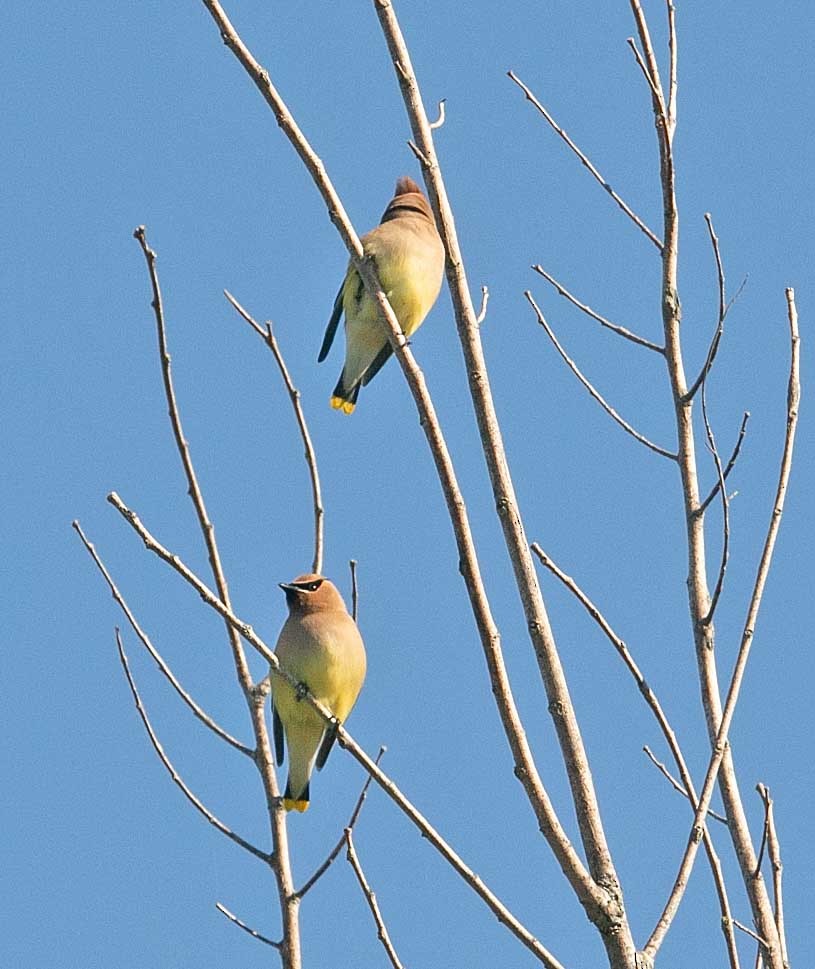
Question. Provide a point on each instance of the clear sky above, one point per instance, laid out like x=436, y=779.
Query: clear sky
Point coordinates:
x=128, y=113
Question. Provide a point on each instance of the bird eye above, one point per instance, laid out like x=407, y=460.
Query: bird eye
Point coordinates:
x=314, y=586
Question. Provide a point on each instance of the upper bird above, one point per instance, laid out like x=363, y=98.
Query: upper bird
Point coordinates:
x=320, y=646
x=409, y=257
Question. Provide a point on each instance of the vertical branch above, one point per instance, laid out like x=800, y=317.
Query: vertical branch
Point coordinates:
x=774, y=849
x=255, y=695
x=267, y=335
x=601, y=902
x=613, y=923
x=698, y=592
x=370, y=898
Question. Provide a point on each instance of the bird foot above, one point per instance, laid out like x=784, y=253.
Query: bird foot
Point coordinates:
x=301, y=691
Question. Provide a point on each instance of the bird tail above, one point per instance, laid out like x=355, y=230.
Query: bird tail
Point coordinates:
x=299, y=803
x=344, y=398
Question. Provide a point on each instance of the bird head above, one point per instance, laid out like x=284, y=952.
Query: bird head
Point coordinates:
x=311, y=593
x=408, y=200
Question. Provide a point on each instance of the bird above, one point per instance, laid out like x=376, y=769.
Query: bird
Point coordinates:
x=409, y=257
x=321, y=647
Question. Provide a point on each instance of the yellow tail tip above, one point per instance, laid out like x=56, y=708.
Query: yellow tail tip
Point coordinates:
x=344, y=405
x=291, y=805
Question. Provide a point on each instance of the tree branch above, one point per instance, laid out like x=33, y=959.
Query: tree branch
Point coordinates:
x=196, y=803
x=675, y=783
x=670, y=737
x=242, y=925
x=267, y=335
x=620, y=330
x=591, y=389
x=585, y=161
x=370, y=898
x=344, y=739
x=595, y=900
x=728, y=467
x=145, y=639
x=334, y=853
x=774, y=849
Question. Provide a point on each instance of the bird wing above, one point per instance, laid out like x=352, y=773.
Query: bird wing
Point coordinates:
x=326, y=744
x=377, y=364
x=277, y=730
x=333, y=323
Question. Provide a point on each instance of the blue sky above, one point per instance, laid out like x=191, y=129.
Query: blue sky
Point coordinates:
x=121, y=114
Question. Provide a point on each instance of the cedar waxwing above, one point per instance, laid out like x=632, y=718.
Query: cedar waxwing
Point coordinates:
x=321, y=647
x=409, y=258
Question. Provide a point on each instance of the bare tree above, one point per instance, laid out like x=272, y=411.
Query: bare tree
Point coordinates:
x=589, y=869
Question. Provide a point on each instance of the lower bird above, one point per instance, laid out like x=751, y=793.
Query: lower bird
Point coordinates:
x=409, y=257
x=320, y=646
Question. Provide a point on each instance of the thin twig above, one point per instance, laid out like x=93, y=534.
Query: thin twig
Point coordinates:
x=267, y=335
x=196, y=803
x=729, y=466
x=675, y=783
x=591, y=389
x=650, y=698
x=333, y=854
x=721, y=744
x=482, y=312
x=148, y=645
x=621, y=330
x=774, y=848
x=584, y=160
x=642, y=66
x=711, y=443
x=440, y=120
x=344, y=739
x=748, y=931
x=370, y=898
x=672, y=72
x=652, y=69
x=354, y=589
x=207, y=528
x=242, y=925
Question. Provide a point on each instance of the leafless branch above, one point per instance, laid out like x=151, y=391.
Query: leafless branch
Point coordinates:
x=482, y=313
x=642, y=66
x=650, y=68
x=584, y=160
x=774, y=848
x=728, y=467
x=242, y=925
x=621, y=330
x=748, y=931
x=589, y=386
x=148, y=645
x=333, y=854
x=354, y=589
x=196, y=803
x=711, y=443
x=370, y=898
x=672, y=68
x=267, y=335
x=600, y=903
x=440, y=120
x=343, y=738
x=675, y=783
x=650, y=698
x=207, y=528
x=721, y=745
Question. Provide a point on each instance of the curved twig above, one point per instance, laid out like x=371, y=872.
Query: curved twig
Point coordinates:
x=591, y=389
x=148, y=645
x=620, y=330
x=267, y=335
x=196, y=803
x=585, y=161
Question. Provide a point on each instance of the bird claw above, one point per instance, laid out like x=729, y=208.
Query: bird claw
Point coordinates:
x=301, y=691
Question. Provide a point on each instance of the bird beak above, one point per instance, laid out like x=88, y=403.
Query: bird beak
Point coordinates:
x=288, y=587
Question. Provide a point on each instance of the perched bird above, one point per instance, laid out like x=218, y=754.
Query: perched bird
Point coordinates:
x=321, y=647
x=409, y=258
